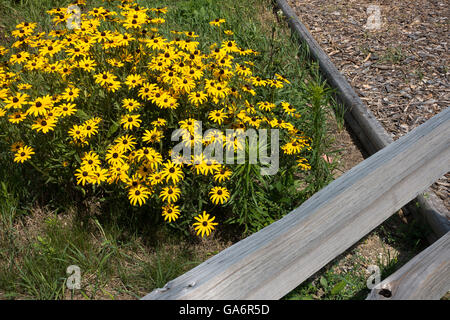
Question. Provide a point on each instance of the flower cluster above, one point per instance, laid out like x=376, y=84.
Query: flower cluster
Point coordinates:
x=112, y=90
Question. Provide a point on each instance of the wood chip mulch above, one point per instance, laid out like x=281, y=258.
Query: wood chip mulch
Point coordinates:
x=401, y=70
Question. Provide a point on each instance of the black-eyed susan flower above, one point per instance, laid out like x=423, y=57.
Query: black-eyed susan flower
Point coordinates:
x=99, y=175
x=16, y=146
x=197, y=97
x=90, y=128
x=288, y=108
x=66, y=109
x=152, y=136
x=204, y=224
x=115, y=156
x=170, y=194
x=90, y=159
x=130, y=121
x=23, y=154
x=40, y=106
x=293, y=147
x=217, y=116
x=217, y=22
x=130, y=104
x=222, y=174
x=87, y=64
x=159, y=122
x=70, y=94
x=134, y=80
x=16, y=101
x=258, y=81
x=17, y=117
x=265, y=105
x=170, y=212
x=104, y=78
x=83, y=175
x=125, y=143
x=19, y=58
x=219, y=195
x=118, y=173
x=156, y=178
x=44, y=124
x=147, y=90
x=138, y=195
x=171, y=172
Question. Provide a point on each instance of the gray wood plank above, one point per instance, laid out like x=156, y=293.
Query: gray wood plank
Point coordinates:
x=425, y=277
x=273, y=261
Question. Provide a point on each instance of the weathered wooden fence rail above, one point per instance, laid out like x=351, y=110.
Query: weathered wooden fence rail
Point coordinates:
x=275, y=260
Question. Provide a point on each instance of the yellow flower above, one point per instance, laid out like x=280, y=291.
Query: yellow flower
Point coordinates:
x=130, y=104
x=204, y=224
x=217, y=116
x=130, y=121
x=138, y=195
x=170, y=212
x=222, y=174
x=303, y=164
x=70, y=94
x=219, y=195
x=90, y=159
x=83, y=175
x=170, y=194
x=44, y=124
x=134, y=80
x=172, y=172
x=217, y=22
x=152, y=136
x=66, y=109
x=197, y=97
x=16, y=101
x=40, y=106
x=23, y=153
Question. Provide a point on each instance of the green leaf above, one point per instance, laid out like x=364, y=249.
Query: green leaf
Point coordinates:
x=323, y=282
x=112, y=129
x=338, y=287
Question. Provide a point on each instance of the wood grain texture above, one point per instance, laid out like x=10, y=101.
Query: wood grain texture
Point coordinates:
x=273, y=261
x=361, y=120
x=425, y=277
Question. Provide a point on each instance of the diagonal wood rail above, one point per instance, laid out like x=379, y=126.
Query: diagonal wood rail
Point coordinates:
x=275, y=260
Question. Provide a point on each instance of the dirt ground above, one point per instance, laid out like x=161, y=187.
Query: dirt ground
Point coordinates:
x=400, y=68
